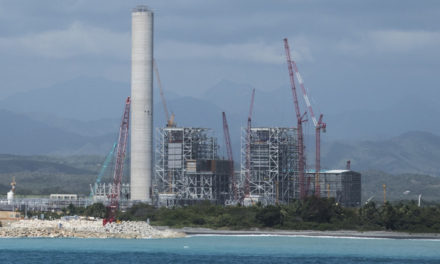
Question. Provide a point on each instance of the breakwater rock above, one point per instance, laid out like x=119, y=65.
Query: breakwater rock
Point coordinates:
x=85, y=229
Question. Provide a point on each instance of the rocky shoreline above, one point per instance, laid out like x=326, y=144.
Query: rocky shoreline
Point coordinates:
x=84, y=229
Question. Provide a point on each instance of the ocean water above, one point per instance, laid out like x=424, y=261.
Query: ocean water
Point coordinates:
x=220, y=249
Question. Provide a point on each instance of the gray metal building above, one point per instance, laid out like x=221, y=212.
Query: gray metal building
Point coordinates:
x=343, y=185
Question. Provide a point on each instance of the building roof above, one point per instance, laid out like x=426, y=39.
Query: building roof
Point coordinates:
x=328, y=171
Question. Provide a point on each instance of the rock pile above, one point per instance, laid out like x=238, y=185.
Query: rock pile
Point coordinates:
x=84, y=229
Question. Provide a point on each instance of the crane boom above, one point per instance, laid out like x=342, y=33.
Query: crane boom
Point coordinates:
x=319, y=125
x=248, y=146
x=300, y=120
x=107, y=161
x=170, y=120
x=119, y=164
x=306, y=97
x=230, y=156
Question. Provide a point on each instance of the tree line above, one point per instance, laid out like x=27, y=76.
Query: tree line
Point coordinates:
x=309, y=214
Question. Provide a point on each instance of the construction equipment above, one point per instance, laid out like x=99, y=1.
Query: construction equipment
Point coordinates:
x=230, y=157
x=300, y=121
x=248, y=146
x=369, y=199
x=107, y=161
x=170, y=119
x=119, y=165
x=319, y=125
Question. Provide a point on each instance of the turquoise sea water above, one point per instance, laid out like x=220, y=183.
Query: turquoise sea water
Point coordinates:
x=220, y=249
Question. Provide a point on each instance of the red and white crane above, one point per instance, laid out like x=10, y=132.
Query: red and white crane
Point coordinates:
x=319, y=125
x=230, y=156
x=300, y=120
x=248, y=147
x=170, y=119
x=119, y=165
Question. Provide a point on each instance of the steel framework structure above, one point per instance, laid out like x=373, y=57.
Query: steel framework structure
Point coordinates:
x=187, y=167
x=274, y=164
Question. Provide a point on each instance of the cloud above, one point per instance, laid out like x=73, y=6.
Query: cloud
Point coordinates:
x=76, y=40
x=404, y=41
x=391, y=42
x=256, y=51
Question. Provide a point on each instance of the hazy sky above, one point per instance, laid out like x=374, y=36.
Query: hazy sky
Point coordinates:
x=354, y=54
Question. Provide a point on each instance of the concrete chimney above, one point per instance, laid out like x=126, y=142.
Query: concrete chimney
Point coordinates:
x=141, y=155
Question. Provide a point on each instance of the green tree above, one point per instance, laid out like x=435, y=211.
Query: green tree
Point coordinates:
x=96, y=210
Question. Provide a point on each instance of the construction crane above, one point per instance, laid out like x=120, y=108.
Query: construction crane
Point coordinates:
x=170, y=119
x=248, y=147
x=230, y=157
x=107, y=161
x=119, y=165
x=319, y=125
x=300, y=121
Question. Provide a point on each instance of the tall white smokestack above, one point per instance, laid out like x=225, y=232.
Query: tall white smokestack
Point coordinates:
x=141, y=169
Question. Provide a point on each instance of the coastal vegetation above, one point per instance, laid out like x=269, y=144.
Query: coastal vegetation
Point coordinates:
x=309, y=214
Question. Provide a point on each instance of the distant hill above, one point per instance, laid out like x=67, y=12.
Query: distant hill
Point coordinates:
x=404, y=186
x=82, y=117
x=81, y=98
x=20, y=134
x=38, y=175
x=43, y=175
x=411, y=152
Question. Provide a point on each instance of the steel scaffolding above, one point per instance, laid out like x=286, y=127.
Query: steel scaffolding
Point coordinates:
x=187, y=167
x=102, y=191
x=273, y=164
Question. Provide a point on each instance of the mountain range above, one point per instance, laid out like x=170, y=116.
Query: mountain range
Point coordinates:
x=82, y=117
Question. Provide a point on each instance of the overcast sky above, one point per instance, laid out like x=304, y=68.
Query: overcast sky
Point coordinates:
x=354, y=54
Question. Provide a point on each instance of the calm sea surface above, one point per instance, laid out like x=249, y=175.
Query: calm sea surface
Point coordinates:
x=220, y=249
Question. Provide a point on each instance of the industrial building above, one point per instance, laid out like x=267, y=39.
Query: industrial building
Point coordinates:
x=188, y=169
x=141, y=169
x=343, y=185
x=273, y=170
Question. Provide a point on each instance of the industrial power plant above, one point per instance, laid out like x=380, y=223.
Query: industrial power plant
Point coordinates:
x=182, y=166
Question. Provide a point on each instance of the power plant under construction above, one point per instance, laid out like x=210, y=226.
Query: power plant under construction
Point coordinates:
x=186, y=167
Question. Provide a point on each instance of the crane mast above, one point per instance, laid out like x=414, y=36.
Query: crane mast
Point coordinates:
x=119, y=164
x=248, y=146
x=319, y=125
x=300, y=120
x=230, y=156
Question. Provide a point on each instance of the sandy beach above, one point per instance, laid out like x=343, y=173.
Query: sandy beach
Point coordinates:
x=310, y=233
